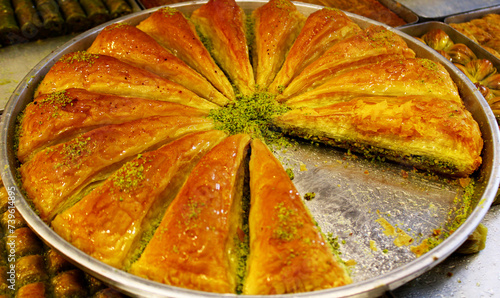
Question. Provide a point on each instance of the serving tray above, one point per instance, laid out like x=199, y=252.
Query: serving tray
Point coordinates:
x=438, y=10
x=353, y=195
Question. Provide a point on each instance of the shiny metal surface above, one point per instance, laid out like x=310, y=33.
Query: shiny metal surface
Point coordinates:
x=437, y=10
x=470, y=15
x=352, y=193
x=476, y=275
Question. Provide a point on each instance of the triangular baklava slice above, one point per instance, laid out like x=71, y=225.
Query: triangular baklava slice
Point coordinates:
x=426, y=132
x=372, y=45
x=223, y=24
x=389, y=77
x=321, y=30
x=57, y=176
x=57, y=117
x=171, y=29
x=131, y=45
x=288, y=253
x=109, y=222
x=105, y=74
x=195, y=244
x=276, y=25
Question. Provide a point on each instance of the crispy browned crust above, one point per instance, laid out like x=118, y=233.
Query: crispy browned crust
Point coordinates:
x=276, y=26
x=321, y=30
x=131, y=45
x=192, y=246
x=392, y=76
x=108, y=223
x=372, y=45
x=426, y=132
x=222, y=22
x=62, y=171
x=287, y=251
x=105, y=74
x=172, y=30
x=56, y=117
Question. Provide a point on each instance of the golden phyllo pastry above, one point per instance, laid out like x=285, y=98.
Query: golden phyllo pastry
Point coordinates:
x=389, y=77
x=195, y=244
x=56, y=176
x=57, y=117
x=131, y=45
x=321, y=30
x=288, y=253
x=222, y=23
x=171, y=29
x=105, y=74
x=276, y=25
x=372, y=45
x=108, y=223
x=426, y=132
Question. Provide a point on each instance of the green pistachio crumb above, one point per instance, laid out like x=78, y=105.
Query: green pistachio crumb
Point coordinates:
x=309, y=196
x=252, y=115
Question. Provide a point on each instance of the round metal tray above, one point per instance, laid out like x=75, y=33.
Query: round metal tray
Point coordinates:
x=351, y=193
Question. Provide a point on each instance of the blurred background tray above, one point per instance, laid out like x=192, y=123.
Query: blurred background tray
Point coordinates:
x=438, y=10
x=474, y=14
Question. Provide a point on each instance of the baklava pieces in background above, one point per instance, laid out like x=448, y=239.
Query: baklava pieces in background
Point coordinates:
x=29, y=20
x=120, y=151
x=40, y=271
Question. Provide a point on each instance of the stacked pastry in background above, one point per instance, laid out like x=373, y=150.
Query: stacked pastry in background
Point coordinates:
x=27, y=20
x=481, y=72
x=39, y=270
x=484, y=31
x=126, y=153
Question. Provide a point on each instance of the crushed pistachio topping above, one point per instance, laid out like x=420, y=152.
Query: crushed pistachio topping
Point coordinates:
x=287, y=223
x=56, y=101
x=57, y=98
x=309, y=196
x=168, y=11
x=383, y=38
x=129, y=176
x=431, y=65
x=334, y=243
x=116, y=26
x=194, y=208
x=456, y=216
x=330, y=9
x=19, y=129
x=283, y=4
x=252, y=115
x=242, y=243
x=74, y=149
x=290, y=173
x=80, y=56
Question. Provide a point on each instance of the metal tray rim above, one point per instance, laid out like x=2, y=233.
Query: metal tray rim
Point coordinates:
x=137, y=286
